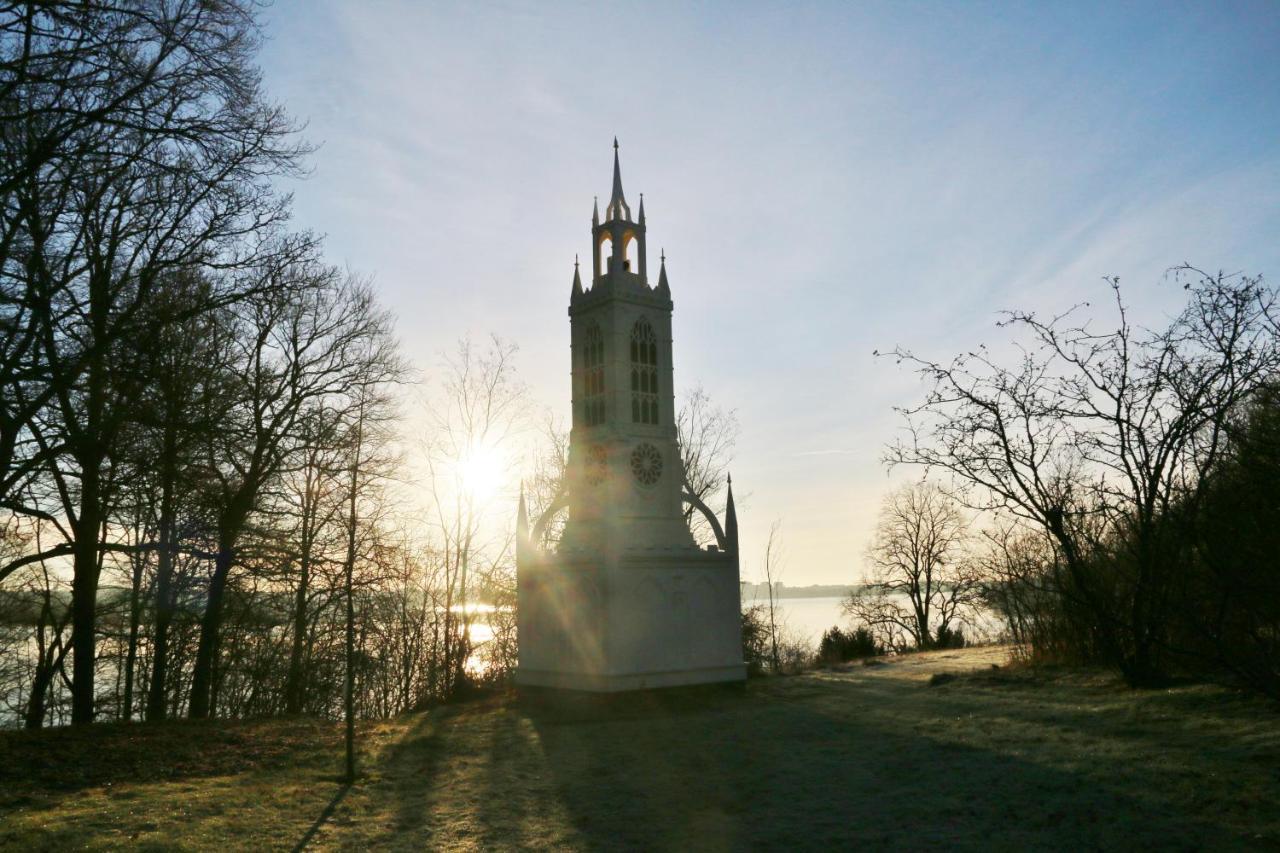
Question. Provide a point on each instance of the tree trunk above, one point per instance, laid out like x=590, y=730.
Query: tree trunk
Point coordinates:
x=34, y=718
x=210, y=628
x=135, y=619
x=156, y=707
x=349, y=686
x=46, y=667
x=293, y=689
x=84, y=598
x=164, y=581
x=348, y=572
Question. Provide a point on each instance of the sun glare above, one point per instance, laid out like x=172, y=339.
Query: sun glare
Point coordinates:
x=482, y=473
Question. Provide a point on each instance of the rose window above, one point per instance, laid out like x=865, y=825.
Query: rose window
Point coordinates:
x=646, y=464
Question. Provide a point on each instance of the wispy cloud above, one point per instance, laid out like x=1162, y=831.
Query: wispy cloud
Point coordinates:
x=827, y=180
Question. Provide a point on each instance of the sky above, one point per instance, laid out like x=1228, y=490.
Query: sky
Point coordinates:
x=827, y=180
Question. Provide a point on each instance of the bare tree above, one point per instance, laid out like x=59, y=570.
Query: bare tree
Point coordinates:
x=919, y=581
x=544, y=484
x=772, y=577
x=294, y=348
x=312, y=497
x=708, y=435
x=150, y=153
x=476, y=420
x=51, y=644
x=1017, y=566
x=1102, y=439
x=368, y=415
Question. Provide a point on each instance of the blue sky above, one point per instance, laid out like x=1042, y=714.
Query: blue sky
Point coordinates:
x=827, y=179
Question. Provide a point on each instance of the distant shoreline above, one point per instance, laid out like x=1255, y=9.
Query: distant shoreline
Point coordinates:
x=761, y=590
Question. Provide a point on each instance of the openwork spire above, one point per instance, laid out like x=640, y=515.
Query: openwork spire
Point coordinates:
x=618, y=208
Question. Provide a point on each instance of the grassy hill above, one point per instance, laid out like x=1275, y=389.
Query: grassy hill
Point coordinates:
x=893, y=755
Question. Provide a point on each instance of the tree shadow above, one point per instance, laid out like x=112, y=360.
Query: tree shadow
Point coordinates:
x=324, y=816
x=860, y=764
x=401, y=801
x=820, y=761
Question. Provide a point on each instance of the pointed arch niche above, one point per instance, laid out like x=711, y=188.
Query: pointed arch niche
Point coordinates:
x=644, y=373
x=631, y=252
x=593, y=375
x=604, y=251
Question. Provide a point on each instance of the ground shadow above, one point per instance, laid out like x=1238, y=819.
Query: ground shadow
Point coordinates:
x=43, y=766
x=324, y=816
x=819, y=764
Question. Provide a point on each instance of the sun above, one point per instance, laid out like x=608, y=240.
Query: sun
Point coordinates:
x=482, y=473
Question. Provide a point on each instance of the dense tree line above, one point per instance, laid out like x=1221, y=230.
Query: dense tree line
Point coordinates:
x=197, y=419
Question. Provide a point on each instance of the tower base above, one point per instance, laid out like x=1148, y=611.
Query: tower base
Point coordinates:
x=636, y=621
x=587, y=682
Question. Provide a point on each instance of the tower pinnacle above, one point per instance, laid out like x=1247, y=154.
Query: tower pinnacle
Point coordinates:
x=618, y=207
x=522, y=518
x=731, y=520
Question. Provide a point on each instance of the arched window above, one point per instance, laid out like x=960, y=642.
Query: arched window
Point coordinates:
x=644, y=373
x=630, y=252
x=593, y=376
x=605, y=252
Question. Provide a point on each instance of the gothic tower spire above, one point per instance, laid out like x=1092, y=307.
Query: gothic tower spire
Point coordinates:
x=618, y=208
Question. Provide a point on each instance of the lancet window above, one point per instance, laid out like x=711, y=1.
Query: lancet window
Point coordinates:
x=644, y=373
x=593, y=376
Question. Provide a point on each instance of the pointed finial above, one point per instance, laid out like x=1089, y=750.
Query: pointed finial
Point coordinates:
x=662, y=254
x=731, y=519
x=577, y=280
x=618, y=208
x=663, y=287
x=641, y=208
x=595, y=210
x=522, y=516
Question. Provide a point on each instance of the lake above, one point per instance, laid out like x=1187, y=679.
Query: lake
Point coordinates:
x=807, y=618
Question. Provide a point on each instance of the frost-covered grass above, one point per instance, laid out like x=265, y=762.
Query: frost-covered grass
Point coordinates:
x=867, y=755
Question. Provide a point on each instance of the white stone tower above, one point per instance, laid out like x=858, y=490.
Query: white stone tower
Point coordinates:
x=626, y=600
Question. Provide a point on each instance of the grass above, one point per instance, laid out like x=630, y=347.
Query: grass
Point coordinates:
x=870, y=755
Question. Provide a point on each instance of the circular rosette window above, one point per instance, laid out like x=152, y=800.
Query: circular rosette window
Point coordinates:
x=646, y=464
x=597, y=465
